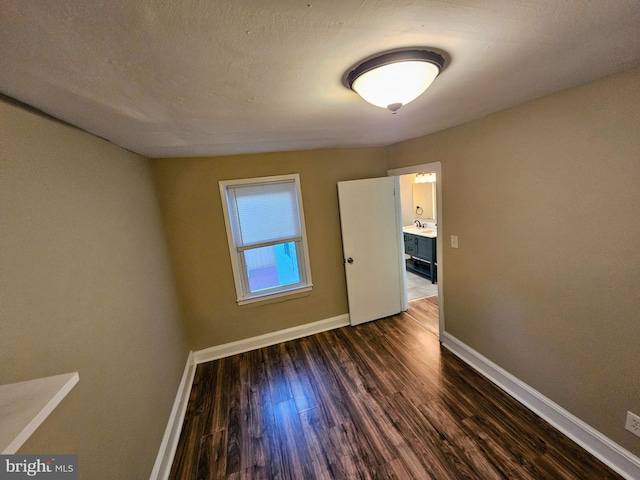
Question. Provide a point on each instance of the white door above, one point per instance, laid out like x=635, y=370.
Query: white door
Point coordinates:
x=373, y=247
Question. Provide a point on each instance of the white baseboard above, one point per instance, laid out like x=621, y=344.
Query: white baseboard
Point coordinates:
x=241, y=346
x=162, y=467
x=607, y=451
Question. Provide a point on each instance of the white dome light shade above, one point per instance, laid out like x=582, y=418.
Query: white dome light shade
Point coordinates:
x=395, y=79
x=395, y=83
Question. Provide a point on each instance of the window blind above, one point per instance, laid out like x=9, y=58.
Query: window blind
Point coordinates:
x=264, y=213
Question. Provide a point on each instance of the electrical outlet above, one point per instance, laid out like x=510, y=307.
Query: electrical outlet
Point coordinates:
x=633, y=423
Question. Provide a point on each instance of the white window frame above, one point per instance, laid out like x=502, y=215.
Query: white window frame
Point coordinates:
x=240, y=275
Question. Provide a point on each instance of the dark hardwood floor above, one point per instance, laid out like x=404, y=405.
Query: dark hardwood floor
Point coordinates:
x=425, y=312
x=381, y=400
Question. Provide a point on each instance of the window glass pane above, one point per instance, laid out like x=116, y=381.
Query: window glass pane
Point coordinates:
x=272, y=266
x=266, y=212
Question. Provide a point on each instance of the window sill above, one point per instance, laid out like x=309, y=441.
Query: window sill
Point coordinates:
x=277, y=297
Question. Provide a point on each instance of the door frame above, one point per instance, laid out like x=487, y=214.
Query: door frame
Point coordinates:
x=435, y=167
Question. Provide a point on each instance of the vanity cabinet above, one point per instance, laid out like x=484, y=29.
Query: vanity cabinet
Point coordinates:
x=422, y=251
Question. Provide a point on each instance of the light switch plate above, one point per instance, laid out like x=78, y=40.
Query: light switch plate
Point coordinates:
x=454, y=241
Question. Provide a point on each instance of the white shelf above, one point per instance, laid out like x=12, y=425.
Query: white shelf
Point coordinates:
x=25, y=405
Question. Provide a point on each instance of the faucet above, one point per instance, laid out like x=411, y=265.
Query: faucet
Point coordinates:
x=417, y=222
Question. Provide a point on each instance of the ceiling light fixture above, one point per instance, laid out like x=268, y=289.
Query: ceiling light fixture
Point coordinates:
x=394, y=79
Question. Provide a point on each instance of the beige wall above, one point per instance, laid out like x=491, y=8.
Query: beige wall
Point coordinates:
x=192, y=209
x=545, y=199
x=85, y=285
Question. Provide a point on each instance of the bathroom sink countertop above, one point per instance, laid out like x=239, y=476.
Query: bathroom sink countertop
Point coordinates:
x=422, y=231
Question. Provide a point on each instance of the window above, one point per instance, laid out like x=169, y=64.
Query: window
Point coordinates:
x=266, y=233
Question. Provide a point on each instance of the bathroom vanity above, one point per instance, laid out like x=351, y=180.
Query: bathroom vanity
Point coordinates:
x=420, y=245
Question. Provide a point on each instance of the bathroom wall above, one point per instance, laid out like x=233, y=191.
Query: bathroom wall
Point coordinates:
x=406, y=199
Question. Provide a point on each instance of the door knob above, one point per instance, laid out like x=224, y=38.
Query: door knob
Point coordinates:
x=349, y=260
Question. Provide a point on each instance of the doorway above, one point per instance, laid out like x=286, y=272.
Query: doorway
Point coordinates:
x=425, y=208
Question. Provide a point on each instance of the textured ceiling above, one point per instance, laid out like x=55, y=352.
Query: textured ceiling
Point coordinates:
x=196, y=77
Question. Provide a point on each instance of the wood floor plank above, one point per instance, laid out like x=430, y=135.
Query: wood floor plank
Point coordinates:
x=446, y=421
x=187, y=457
x=395, y=470
x=425, y=312
x=217, y=416
x=198, y=400
x=278, y=382
x=323, y=382
x=360, y=462
x=371, y=429
x=296, y=371
x=296, y=460
x=325, y=455
x=503, y=454
x=235, y=418
x=429, y=445
x=382, y=400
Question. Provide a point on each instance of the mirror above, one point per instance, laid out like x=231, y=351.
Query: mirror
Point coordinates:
x=424, y=201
